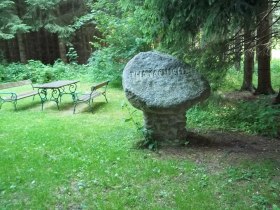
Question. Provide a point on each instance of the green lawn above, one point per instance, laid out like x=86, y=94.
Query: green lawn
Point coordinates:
x=56, y=160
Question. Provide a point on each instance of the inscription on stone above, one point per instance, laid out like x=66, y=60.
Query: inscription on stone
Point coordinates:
x=149, y=73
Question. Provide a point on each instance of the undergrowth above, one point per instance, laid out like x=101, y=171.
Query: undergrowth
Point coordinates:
x=255, y=117
x=42, y=73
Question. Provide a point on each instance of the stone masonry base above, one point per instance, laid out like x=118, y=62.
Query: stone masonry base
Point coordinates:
x=166, y=128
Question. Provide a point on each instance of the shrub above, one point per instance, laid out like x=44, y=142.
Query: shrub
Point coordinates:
x=41, y=73
x=123, y=36
x=256, y=117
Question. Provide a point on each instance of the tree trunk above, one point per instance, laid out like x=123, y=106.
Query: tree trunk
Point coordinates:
x=47, y=58
x=277, y=99
x=237, y=52
x=42, y=46
x=21, y=46
x=7, y=51
x=264, y=50
x=248, y=61
x=13, y=50
x=62, y=50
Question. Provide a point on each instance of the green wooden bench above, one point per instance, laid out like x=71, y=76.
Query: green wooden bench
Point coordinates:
x=12, y=96
x=96, y=90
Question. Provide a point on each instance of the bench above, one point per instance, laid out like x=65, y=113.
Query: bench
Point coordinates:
x=13, y=97
x=95, y=91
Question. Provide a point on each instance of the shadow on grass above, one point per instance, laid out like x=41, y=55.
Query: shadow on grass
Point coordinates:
x=84, y=107
x=51, y=105
x=231, y=147
x=22, y=107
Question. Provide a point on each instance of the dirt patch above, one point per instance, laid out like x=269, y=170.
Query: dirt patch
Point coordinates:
x=217, y=149
x=247, y=96
x=240, y=95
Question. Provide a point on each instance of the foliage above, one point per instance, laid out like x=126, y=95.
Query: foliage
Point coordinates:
x=147, y=141
x=10, y=22
x=256, y=117
x=203, y=33
x=56, y=16
x=212, y=65
x=123, y=36
x=72, y=54
x=40, y=73
x=275, y=72
x=212, y=18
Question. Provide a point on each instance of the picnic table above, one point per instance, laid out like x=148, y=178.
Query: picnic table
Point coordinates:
x=57, y=90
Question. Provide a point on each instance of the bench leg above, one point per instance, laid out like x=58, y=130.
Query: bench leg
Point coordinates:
x=57, y=102
x=2, y=101
x=15, y=105
x=14, y=102
x=104, y=94
x=75, y=108
x=43, y=97
x=91, y=105
x=60, y=96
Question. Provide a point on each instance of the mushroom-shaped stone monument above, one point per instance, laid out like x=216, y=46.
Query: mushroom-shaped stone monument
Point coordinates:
x=164, y=88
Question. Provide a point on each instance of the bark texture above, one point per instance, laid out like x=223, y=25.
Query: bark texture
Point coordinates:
x=264, y=50
x=21, y=47
x=248, y=61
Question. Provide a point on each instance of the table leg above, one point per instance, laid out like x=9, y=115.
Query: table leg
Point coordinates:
x=61, y=93
x=71, y=90
x=56, y=96
x=43, y=96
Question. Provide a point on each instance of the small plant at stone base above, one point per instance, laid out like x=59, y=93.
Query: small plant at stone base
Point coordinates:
x=147, y=142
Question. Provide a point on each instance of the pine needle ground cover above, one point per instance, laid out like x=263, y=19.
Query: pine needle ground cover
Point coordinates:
x=53, y=159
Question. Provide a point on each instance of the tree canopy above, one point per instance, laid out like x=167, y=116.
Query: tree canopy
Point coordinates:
x=209, y=34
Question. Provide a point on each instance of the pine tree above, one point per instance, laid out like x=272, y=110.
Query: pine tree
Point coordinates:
x=35, y=21
x=248, y=70
x=264, y=48
x=10, y=22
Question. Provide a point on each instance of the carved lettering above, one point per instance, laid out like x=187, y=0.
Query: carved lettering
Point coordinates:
x=149, y=73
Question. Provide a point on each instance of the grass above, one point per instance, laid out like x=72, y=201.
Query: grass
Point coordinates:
x=53, y=159
x=56, y=160
x=233, y=80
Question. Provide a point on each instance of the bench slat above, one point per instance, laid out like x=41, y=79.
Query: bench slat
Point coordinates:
x=21, y=95
x=89, y=96
x=95, y=87
x=27, y=94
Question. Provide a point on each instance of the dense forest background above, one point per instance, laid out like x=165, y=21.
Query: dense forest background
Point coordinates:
x=212, y=35
x=45, y=30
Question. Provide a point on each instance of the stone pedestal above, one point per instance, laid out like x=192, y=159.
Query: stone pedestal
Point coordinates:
x=169, y=127
x=163, y=88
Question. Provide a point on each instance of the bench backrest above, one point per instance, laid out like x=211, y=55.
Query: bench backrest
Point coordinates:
x=15, y=84
x=95, y=87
